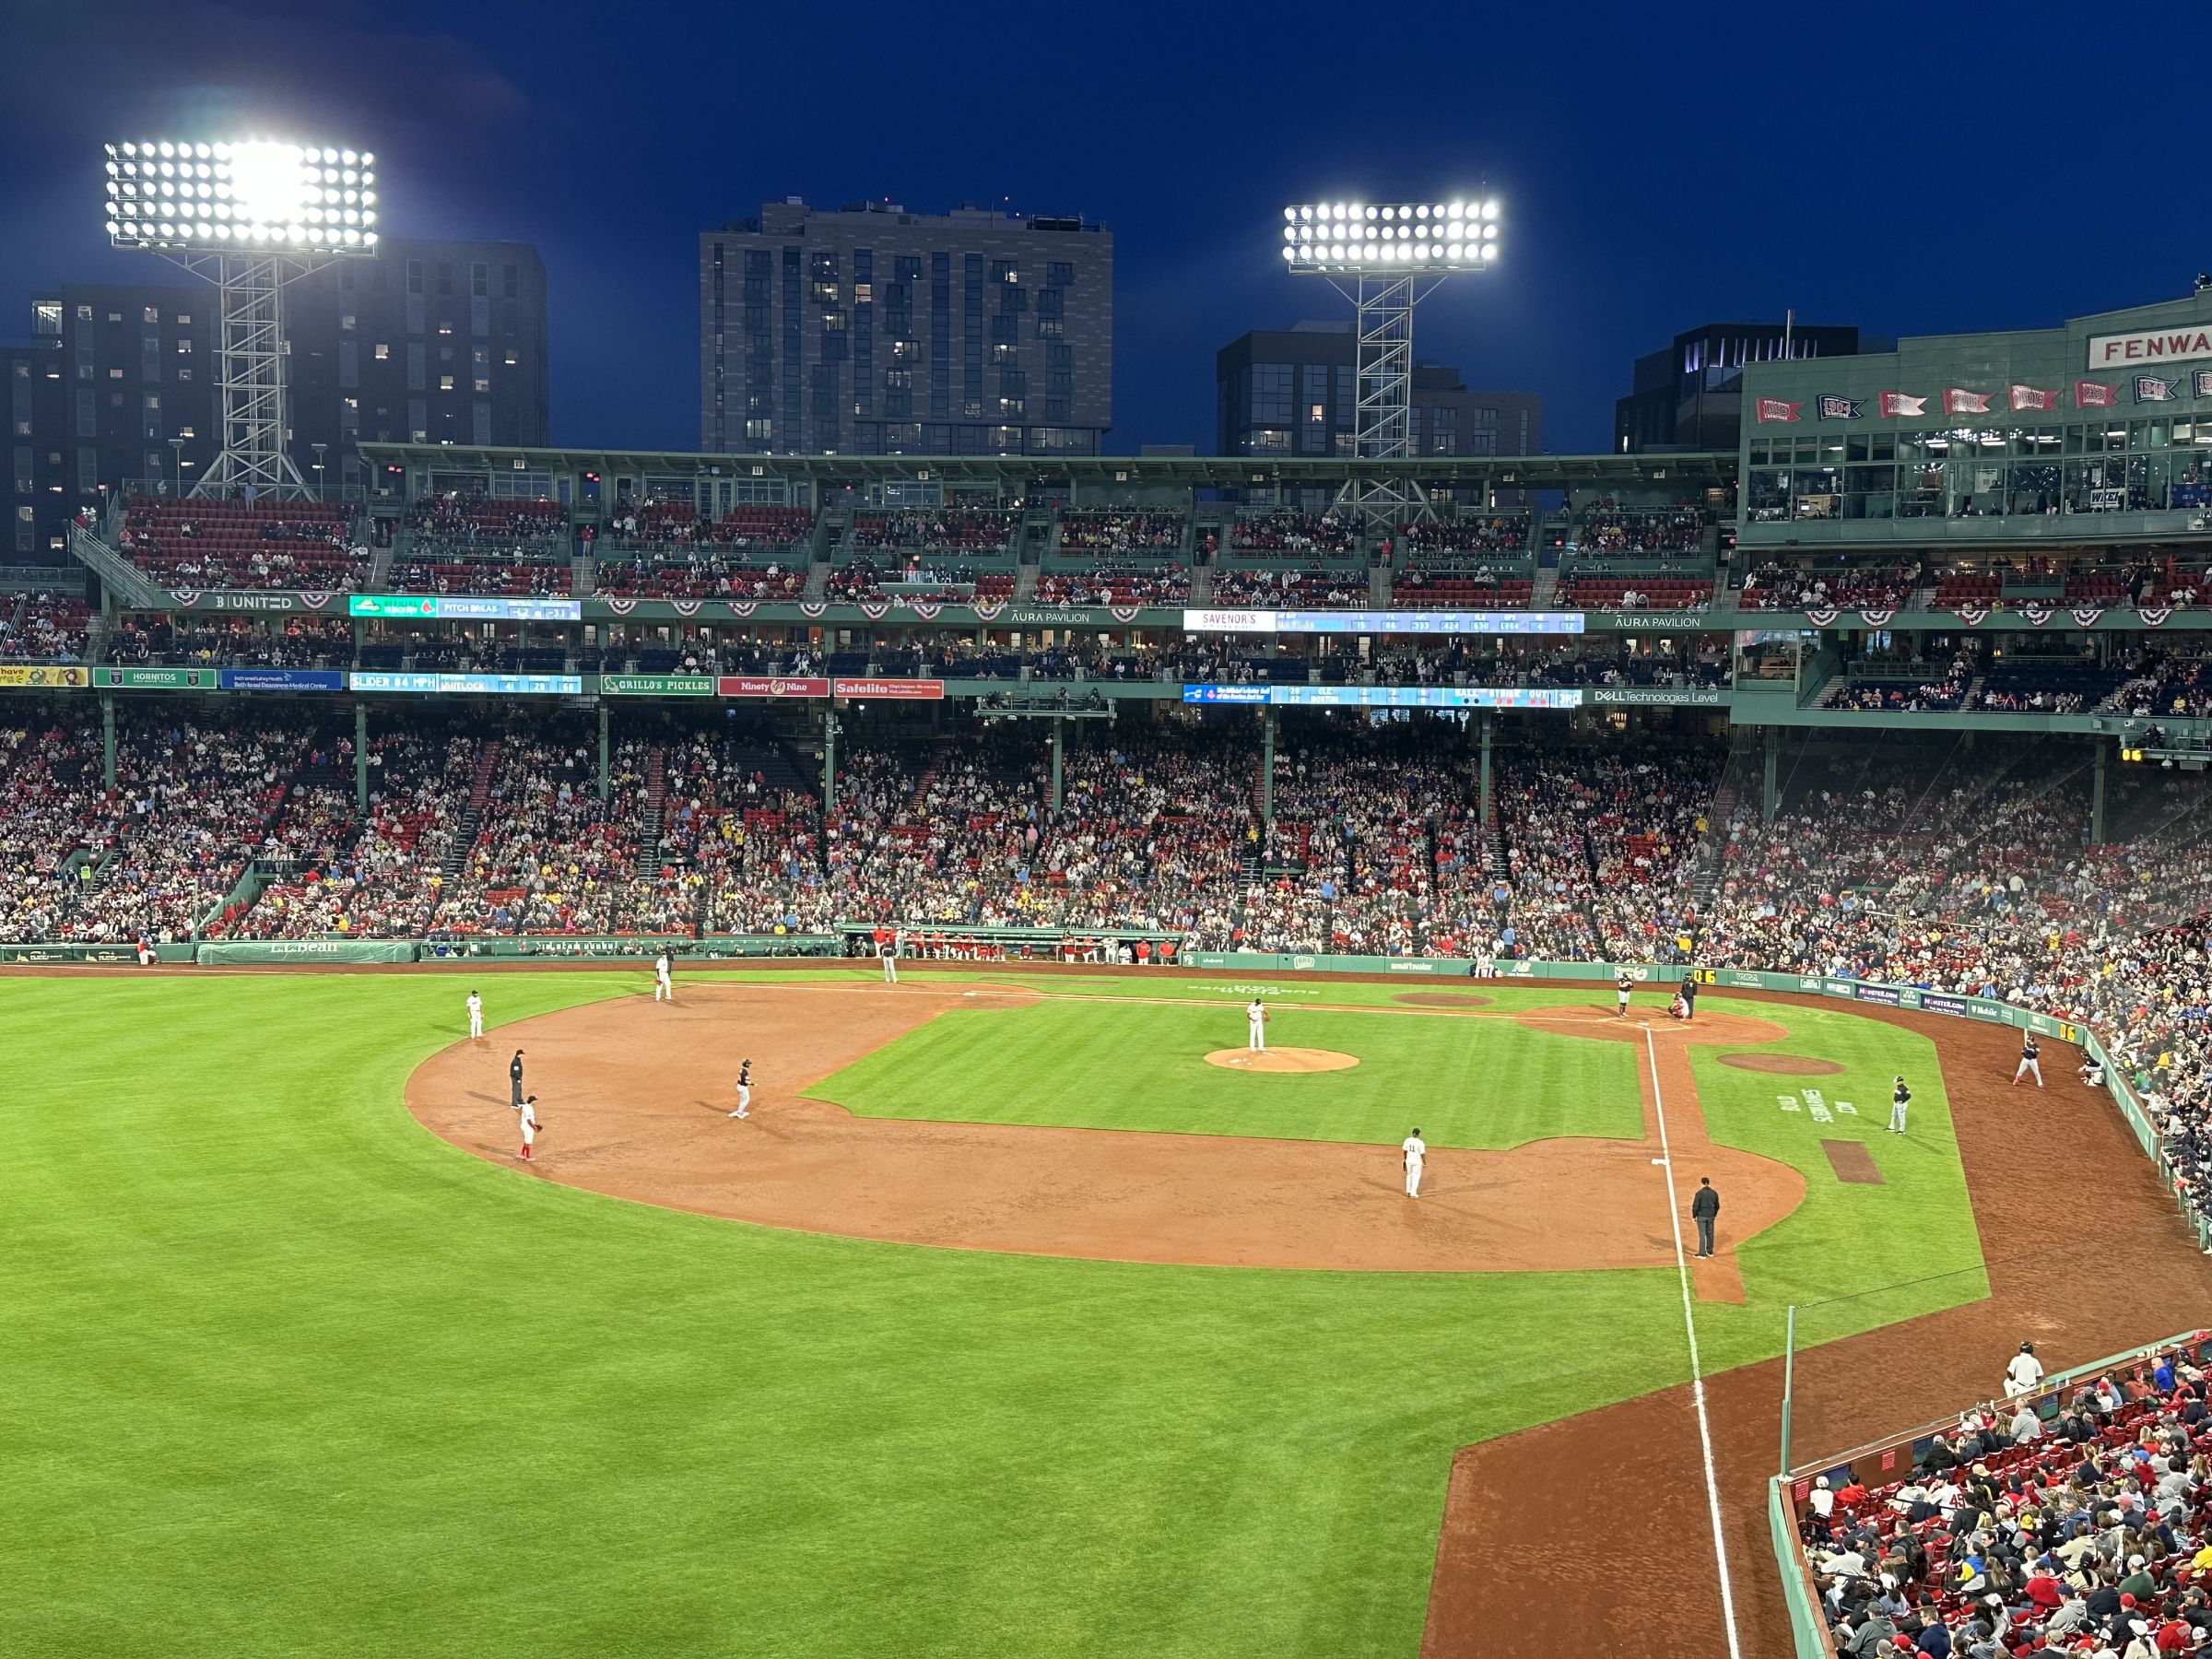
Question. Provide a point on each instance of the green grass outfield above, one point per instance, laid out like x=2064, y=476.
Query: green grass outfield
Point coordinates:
x=286, y=1374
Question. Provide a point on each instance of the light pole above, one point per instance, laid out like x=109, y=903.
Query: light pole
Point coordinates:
x=319, y=448
x=176, y=449
x=1384, y=250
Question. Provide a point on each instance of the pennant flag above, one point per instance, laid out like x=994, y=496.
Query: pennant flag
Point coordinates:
x=186, y=597
x=2035, y=615
x=686, y=607
x=874, y=609
x=2149, y=388
x=2030, y=397
x=1876, y=618
x=1820, y=619
x=1839, y=409
x=811, y=607
x=986, y=610
x=1125, y=613
x=2095, y=394
x=1898, y=403
x=742, y=607
x=927, y=608
x=621, y=607
x=316, y=600
x=2154, y=616
x=1774, y=408
x=1957, y=400
x=2204, y=382
x=1973, y=616
x=2087, y=615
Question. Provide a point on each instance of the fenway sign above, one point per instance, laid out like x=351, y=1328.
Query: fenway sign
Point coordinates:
x=2152, y=346
x=756, y=685
x=894, y=691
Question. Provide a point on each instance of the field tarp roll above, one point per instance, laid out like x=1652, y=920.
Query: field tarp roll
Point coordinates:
x=235, y=953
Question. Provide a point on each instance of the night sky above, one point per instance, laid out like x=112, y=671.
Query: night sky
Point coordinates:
x=1914, y=170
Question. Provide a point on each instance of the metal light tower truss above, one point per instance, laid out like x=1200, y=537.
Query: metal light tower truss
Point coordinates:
x=1385, y=249
x=251, y=376
x=1383, y=414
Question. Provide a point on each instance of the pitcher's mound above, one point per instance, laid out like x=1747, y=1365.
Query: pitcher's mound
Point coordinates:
x=1283, y=1060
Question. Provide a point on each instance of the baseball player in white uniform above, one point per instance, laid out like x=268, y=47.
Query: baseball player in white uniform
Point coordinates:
x=663, y=989
x=744, y=1090
x=2032, y=1061
x=1255, y=1026
x=1415, y=1150
x=2024, y=1372
x=476, y=1015
x=1899, y=1098
x=529, y=1123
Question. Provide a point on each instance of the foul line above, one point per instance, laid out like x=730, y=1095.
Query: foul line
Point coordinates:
x=1697, y=1375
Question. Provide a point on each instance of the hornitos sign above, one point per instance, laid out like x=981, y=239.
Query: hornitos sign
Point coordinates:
x=157, y=679
x=2150, y=345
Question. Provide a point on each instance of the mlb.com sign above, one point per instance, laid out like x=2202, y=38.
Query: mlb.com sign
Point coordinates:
x=2151, y=346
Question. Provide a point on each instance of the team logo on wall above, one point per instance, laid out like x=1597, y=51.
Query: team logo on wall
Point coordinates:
x=2035, y=615
x=2154, y=616
x=1839, y=408
x=1123, y=613
x=1973, y=616
x=2204, y=382
x=812, y=607
x=986, y=610
x=187, y=597
x=927, y=608
x=621, y=607
x=742, y=607
x=314, y=601
x=686, y=607
x=2087, y=615
x=1820, y=619
x=873, y=609
x=2150, y=388
x=1876, y=618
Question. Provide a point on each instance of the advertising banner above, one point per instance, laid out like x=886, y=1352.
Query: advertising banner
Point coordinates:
x=656, y=685
x=158, y=679
x=1678, y=696
x=464, y=607
x=1885, y=995
x=39, y=676
x=1389, y=697
x=509, y=685
x=308, y=950
x=760, y=684
x=894, y=691
x=283, y=679
x=1381, y=623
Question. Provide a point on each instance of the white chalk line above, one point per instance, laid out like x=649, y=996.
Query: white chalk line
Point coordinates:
x=1697, y=1375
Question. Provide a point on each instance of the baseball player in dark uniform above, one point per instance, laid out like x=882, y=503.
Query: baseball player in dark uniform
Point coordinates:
x=1623, y=983
x=514, y=1081
x=1899, y=1098
x=744, y=1090
x=2031, y=1060
x=1705, y=1210
x=1688, y=994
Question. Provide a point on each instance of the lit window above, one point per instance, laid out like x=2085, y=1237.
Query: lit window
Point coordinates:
x=445, y=383
x=383, y=350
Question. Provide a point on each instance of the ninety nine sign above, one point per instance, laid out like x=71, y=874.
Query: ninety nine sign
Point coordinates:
x=894, y=691
x=745, y=684
x=2152, y=346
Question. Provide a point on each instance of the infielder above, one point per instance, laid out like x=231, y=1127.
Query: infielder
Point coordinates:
x=664, y=990
x=529, y=1123
x=514, y=1081
x=744, y=1090
x=1415, y=1150
x=1255, y=1026
x=1623, y=983
x=476, y=1015
x=1899, y=1098
x=888, y=950
x=2030, y=1061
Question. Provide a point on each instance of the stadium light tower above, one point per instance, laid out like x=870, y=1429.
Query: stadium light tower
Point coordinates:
x=249, y=217
x=1382, y=251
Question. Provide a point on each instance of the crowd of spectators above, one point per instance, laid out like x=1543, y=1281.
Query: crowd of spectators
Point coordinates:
x=55, y=814
x=548, y=855
x=1115, y=585
x=1777, y=586
x=44, y=628
x=1474, y=533
x=1121, y=532
x=205, y=544
x=1608, y=527
x=1934, y=693
x=1290, y=590
x=185, y=640
x=1318, y=533
x=935, y=530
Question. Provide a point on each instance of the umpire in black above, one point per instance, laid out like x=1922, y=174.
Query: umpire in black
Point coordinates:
x=514, y=1081
x=1689, y=991
x=1704, y=1209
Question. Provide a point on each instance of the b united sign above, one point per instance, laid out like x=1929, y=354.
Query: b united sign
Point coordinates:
x=2151, y=346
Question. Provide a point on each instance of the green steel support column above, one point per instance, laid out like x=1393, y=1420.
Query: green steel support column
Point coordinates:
x=1059, y=796
x=107, y=736
x=360, y=757
x=828, y=759
x=2096, y=793
x=605, y=782
x=1267, y=765
x=1486, y=767
x=1768, y=801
